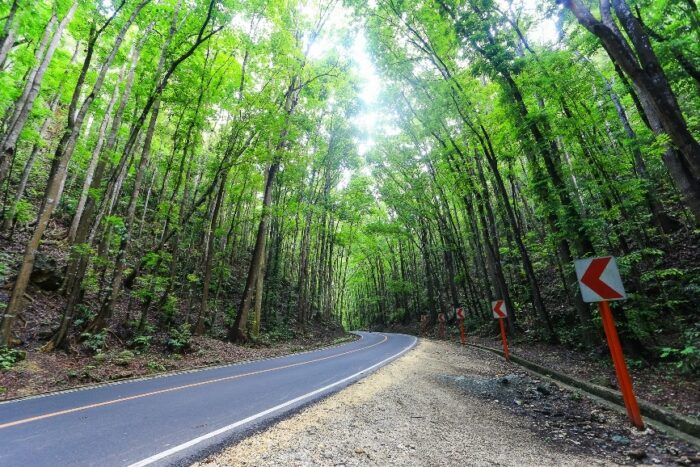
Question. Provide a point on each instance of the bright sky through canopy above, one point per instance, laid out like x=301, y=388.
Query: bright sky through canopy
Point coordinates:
x=369, y=117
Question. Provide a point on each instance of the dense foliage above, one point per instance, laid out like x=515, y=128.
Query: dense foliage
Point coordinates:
x=198, y=167
x=501, y=160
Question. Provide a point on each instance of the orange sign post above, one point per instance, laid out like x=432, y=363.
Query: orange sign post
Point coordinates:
x=599, y=280
x=460, y=317
x=500, y=312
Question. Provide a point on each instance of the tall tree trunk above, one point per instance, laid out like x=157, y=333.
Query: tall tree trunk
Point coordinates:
x=37, y=147
x=636, y=57
x=94, y=158
x=84, y=218
x=114, y=184
x=209, y=259
x=24, y=105
x=537, y=300
x=661, y=218
x=257, y=307
x=57, y=176
x=7, y=37
x=239, y=330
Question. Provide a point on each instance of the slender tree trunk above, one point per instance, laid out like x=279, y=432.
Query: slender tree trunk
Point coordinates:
x=239, y=329
x=66, y=146
x=209, y=259
x=661, y=218
x=37, y=147
x=537, y=300
x=89, y=173
x=113, y=186
x=636, y=57
x=7, y=37
x=257, y=307
x=24, y=105
x=57, y=176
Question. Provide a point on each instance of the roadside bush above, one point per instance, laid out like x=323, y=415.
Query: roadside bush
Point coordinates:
x=180, y=338
x=143, y=338
x=169, y=309
x=141, y=342
x=229, y=317
x=83, y=315
x=9, y=357
x=155, y=366
x=23, y=211
x=124, y=357
x=687, y=358
x=277, y=333
x=94, y=342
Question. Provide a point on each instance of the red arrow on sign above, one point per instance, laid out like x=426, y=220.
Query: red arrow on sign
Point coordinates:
x=497, y=308
x=591, y=279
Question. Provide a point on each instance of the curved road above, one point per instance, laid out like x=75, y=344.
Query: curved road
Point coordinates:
x=173, y=419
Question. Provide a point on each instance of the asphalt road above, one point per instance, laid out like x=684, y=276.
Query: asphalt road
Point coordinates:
x=174, y=419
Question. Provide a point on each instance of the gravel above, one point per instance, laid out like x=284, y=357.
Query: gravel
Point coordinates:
x=415, y=411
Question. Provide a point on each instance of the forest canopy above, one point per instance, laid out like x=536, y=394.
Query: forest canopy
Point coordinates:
x=244, y=168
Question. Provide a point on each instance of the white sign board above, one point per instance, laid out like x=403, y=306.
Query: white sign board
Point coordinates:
x=499, y=309
x=599, y=279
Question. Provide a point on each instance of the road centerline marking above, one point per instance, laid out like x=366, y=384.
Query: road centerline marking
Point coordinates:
x=178, y=388
x=232, y=426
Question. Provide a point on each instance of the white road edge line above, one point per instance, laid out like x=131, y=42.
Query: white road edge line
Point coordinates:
x=188, y=444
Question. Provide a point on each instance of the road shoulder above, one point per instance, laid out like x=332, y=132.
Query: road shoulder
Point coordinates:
x=407, y=414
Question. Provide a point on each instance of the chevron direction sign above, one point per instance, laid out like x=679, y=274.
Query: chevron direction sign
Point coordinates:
x=499, y=309
x=500, y=312
x=599, y=279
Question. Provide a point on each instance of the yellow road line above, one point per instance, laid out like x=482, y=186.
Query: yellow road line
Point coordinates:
x=178, y=388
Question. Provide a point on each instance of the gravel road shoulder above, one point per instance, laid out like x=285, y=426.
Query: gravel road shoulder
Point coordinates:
x=407, y=413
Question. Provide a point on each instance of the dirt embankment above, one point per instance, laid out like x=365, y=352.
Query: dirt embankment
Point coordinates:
x=662, y=384
x=42, y=372
x=441, y=406
x=120, y=351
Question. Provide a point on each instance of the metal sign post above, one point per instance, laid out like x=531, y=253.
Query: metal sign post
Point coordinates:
x=600, y=281
x=441, y=319
x=460, y=318
x=500, y=312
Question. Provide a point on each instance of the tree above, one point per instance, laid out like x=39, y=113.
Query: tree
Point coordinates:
x=635, y=55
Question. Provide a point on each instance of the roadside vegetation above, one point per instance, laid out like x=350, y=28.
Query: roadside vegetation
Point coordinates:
x=506, y=154
x=179, y=174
